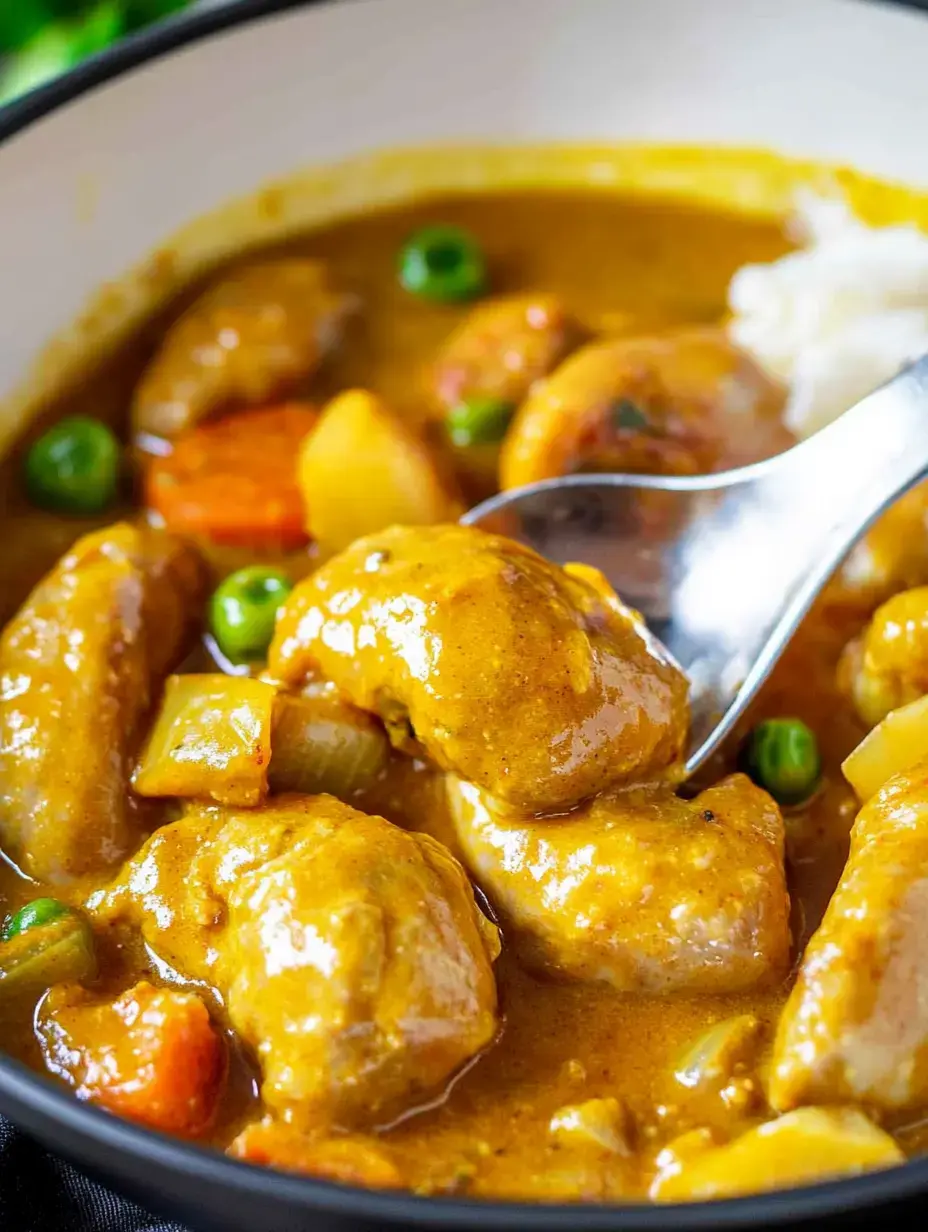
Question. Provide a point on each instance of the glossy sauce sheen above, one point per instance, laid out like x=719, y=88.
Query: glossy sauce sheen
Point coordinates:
x=618, y=263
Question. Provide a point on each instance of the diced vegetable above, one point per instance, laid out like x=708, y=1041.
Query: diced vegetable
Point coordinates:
x=235, y=481
x=362, y=469
x=602, y=1124
x=350, y=1160
x=74, y=467
x=719, y=1073
x=781, y=755
x=243, y=612
x=719, y=1052
x=894, y=745
x=211, y=740
x=39, y=911
x=680, y=1151
x=45, y=954
x=802, y=1147
x=479, y=421
x=322, y=744
x=444, y=264
x=152, y=1055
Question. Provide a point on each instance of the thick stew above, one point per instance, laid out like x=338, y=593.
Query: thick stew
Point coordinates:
x=353, y=842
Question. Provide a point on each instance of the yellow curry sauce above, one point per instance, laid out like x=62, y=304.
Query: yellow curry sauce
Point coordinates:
x=623, y=265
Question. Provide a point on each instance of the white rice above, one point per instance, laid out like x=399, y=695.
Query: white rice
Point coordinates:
x=838, y=317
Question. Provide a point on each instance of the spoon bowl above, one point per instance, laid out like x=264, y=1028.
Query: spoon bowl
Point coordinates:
x=723, y=567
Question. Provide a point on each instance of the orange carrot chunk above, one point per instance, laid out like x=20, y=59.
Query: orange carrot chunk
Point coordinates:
x=152, y=1055
x=349, y=1160
x=234, y=481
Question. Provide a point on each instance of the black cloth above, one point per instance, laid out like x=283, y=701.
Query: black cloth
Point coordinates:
x=39, y=1193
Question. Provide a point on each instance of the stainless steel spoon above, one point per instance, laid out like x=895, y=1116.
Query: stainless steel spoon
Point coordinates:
x=723, y=567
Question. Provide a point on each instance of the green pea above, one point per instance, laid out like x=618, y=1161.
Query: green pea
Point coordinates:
x=479, y=421
x=781, y=755
x=243, y=612
x=444, y=264
x=39, y=911
x=74, y=467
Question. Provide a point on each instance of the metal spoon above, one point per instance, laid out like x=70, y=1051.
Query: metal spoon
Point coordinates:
x=723, y=567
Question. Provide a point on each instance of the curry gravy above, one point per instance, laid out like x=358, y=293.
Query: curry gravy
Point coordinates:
x=621, y=264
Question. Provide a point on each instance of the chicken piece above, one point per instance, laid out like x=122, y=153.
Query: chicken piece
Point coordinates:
x=503, y=347
x=79, y=666
x=350, y=955
x=887, y=666
x=531, y=680
x=348, y=1160
x=252, y=337
x=800, y=1148
x=855, y=1028
x=681, y=403
x=639, y=889
x=151, y=1055
x=890, y=557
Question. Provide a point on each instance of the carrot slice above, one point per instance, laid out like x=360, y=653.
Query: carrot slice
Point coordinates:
x=350, y=1160
x=152, y=1055
x=235, y=481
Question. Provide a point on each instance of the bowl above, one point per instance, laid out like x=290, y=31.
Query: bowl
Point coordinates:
x=103, y=170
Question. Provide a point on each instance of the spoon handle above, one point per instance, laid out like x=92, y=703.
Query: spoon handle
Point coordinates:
x=854, y=468
x=758, y=551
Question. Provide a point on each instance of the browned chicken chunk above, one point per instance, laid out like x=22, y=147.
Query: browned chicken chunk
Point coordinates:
x=855, y=1028
x=255, y=335
x=890, y=557
x=640, y=889
x=351, y=955
x=503, y=347
x=679, y=403
x=79, y=666
x=530, y=680
x=887, y=666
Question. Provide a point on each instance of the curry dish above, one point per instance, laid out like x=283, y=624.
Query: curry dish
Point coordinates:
x=353, y=842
